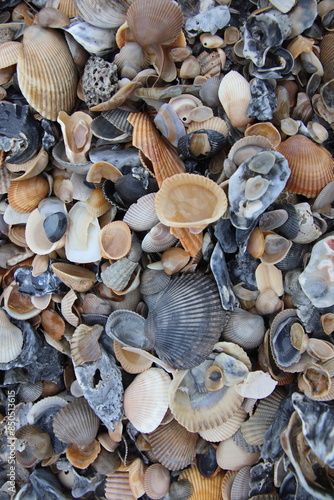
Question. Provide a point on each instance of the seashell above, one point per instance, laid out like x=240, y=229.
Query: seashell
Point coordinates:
x=211, y=41
x=118, y=274
x=131, y=362
x=24, y=196
x=82, y=244
x=102, y=170
x=11, y=339
x=127, y=328
x=50, y=72
x=181, y=490
x=234, y=95
x=315, y=280
x=201, y=144
x=188, y=322
x=190, y=68
x=77, y=134
x=229, y=456
x=131, y=60
x=169, y=124
x=256, y=385
x=78, y=278
x=84, y=344
x=209, y=91
x=146, y=138
x=244, y=328
x=100, y=15
x=156, y=481
x=327, y=322
x=67, y=311
x=231, y=35
x=141, y=215
x=49, y=17
x=183, y=104
x=117, y=486
x=32, y=167
x=173, y=446
x=326, y=48
x=314, y=381
x=284, y=6
x=146, y=399
x=203, y=487
x=265, y=129
x=199, y=191
x=39, y=441
x=268, y=276
x=36, y=237
x=53, y=324
x=115, y=240
x=29, y=392
x=9, y=53
x=214, y=123
x=246, y=147
x=225, y=430
x=274, y=168
x=136, y=477
x=153, y=282
x=311, y=165
x=275, y=248
x=174, y=259
x=308, y=228
x=96, y=204
x=210, y=20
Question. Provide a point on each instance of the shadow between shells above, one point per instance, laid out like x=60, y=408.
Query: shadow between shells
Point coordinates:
x=167, y=249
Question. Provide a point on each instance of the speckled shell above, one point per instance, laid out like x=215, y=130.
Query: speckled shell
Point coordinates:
x=311, y=165
x=46, y=72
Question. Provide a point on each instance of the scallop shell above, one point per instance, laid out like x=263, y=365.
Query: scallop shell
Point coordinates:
x=244, y=328
x=101, y=15
x=173, y=446
x=164, y=18
x=11, y=339
x=225, y=430
x=158, y=239
x=47, y=78
x=76, y=423
x=115, y=240
x=84, y=344
x=234, y=95
x=141, y=216
x=192, y=243
x=311, y=165
x=24, y=196
x=156, y=481
x=189, y=200
x=203, y=487
x=146, y=399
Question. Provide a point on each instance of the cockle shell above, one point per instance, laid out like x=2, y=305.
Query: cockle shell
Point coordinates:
x=101, y=15
x=24, y=196
x=202, y=487
x=244, y=328
x=47, y=78
x=311, y=165
x=234, y=95
x=11, y=339
x=141, y=216
x=156, y=481
x=188, y=200
x=158, y=239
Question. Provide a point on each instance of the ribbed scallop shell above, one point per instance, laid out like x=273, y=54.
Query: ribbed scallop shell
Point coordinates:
x=154, y=21
x=30, y=392
x=156, y=481
x=141, y=216
x=254, y=428
x=214, y=123
x=11, y=339
x=76, y=423
x=234, y=95
x=24, y=196
x=244, y=328
x=146, y=399
x=311, y=165
x=84, y=344
x=82, y=457
x=46, y=72
x=240, y=487
x=189, y=200
x=225, y=430
x=191, y=242
x=158, y=239
x=78, y=278
x=326, y=49
x=203, y=487
x=173, y=446
x=186, y=321
x=102, y=14
x=165, y=160
x=117, y=486
x=9, y=53
x=131, y=362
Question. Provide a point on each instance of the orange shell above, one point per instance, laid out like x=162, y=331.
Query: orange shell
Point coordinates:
x=192, y=243
x=311, y=165
x=24, y=196
x=189, y=200
x=115, y=240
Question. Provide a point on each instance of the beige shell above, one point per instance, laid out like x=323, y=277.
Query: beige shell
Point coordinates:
x=174, y=259
x=82, y=457
x=78, y=278
x=311, y=165
x=141, y=216
x=190, y=201
x=248, y=146
x=115, y=240
x=158, y=239
x=229, y=456
x=213, y=123
x=117, y=486
x=225, y=430
x=24, y=196
x=47, y=78
x=36, y=238
x=267, y=130
x=11, y=339
x=32, y=167
x=84, y=344
x=102, y=170
x=156, y=481
x=283, y=5
x=9, y=53
x=39, y=441
x=234, y=95
x=146, y=399
x=203, y=487
x=268, y=276
x=131, y=361
x=77, y=134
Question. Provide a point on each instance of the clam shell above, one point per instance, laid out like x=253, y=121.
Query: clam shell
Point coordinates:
x=47, y=78
x=78, y=278
x=11, y=339
x=275, y=248
x=141, y=216
x=84, y=344
x=24, y=196
x=146, y=399
x=164, y=18
x=36, y=237
x=186, y=321
x=156, y=481
x=127, y=328
x=267, y=130
x=234, y=95
x=82, y=457
x=77, y=134
x=189, y=200
x=169, y=124
x=76, y=423
x=158, y=239
x=215, y=123
x=173, y=446
x=231, y=457
x=101, y=15
x=311, y=165
x=246, y=147
x=115, y=240
x=53, y=324
x=96, y=204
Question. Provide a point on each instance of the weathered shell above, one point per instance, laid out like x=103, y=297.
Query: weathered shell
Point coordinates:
x=101, y=15
x=141, y=216
x=77, y=134
x=230, y=456
x=156, y=481
x=158, y=239
x=244, y=328
x=11, y=339
x=47, y=78
x=84, y=344
x=78, y=278
x=115, y=240
x=234, y=95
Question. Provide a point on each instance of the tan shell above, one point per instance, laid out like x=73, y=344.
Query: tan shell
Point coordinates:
x=311, y=165
x=191, y=242
x=32, y=167
x=48, y=77
x=141, y=216
x=234, y=95
x=102, y=170
x=9, y=53
x=229, y=456
x=189, y=200
x=225, y=430
x=24, y=196
x=78, y=278
x=39, y=441
x=52, y=323
x=156, y=481
x=82, y=457
x=265, y=129
x=11, y=339
x=115, y=240
x=84, y=344
x=117, y=486
x=203, y=487
x=130, y=361
x=174, y=259
x=77, y=135
x=158, y=239
x=214, y=123
x=165, y=160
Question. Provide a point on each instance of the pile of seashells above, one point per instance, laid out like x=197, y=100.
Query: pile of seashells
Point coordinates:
x=167, y=249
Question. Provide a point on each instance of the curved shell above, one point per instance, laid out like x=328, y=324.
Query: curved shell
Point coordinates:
x=234, y=95
x=229, y=456
x=47, y=78
x=203, y=487
x=84, y=344
x=156, y=481
x=102, y=14
x=141, y=216
x=245, y=329
x=24, y=196
x=131, y=361
x=158, y=239
x=115, y=240
x=311, y=165
x=77, y=134
x=146, y=399
x=78, y=278
x=11, y=339
x=36, y=237
x=190, y=201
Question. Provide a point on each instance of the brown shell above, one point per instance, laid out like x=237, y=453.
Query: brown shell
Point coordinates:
x=9, y=53
x=24, y=196
x=203, y=487
x=327, y=48
x=78, y=278
x=154, y=21
x=192, y=243
x=46, y=72
x=156, y=481
x=84, y=344
x=83, y=457
x=311, y=165
x=115, y=240
x=117, y=486
x=265, y=129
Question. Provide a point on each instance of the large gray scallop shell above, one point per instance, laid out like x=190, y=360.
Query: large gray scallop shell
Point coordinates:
x=186, y=321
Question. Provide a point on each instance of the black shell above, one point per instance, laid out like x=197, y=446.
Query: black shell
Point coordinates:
x=20, y=133
x=55, y=226
x=216, y=141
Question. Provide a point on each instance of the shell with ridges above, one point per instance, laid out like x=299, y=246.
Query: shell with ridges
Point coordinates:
x=234, y=95
x=158, y=239
x=11, y=339
x=203, y=487
x=24, y=196
x=141, y=216
x=84, y=344
x=115, y=240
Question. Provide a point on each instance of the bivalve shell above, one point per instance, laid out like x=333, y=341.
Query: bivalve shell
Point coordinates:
x=234, y=95
x=24, y=196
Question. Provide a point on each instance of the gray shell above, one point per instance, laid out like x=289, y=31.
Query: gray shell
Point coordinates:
x=211, y=20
